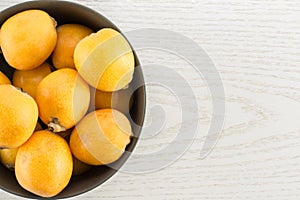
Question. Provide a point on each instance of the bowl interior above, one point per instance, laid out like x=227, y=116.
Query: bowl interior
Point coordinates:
x=68, y=12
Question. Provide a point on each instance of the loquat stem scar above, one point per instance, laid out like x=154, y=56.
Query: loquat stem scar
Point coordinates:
x=54, y=125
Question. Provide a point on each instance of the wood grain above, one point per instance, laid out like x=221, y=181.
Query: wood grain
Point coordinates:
x=255, y=46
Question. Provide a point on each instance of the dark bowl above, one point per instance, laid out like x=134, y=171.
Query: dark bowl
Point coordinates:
x=68, y=12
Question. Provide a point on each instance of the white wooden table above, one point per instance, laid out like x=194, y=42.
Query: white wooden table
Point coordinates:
x=255, y=45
